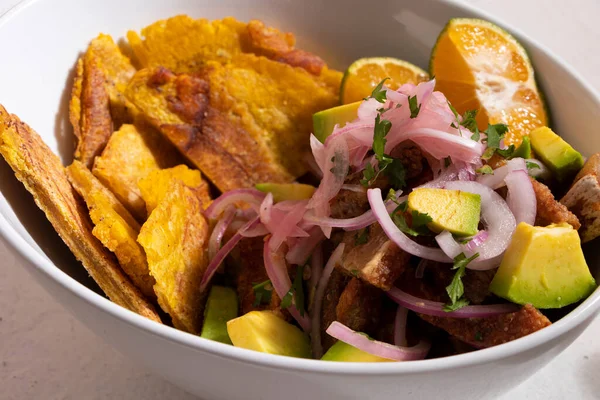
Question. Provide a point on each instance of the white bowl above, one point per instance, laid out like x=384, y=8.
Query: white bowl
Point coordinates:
x=40, y=42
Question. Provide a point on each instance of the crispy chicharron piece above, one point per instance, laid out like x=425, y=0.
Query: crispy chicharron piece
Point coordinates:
x=240, y=124
x=43, y=175
x=114, y=226
x=156, y=185
x=131, y=154
x=97, y=101
x=174, y=238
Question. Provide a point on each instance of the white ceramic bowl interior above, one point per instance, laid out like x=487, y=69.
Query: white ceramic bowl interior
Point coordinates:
x=41, y=41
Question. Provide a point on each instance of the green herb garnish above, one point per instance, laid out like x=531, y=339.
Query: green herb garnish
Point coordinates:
x=418, y=224
x=262, y=293
x=456, y=289
x=362, y=236
x=382, y=127
x=414, y=106
x=508, y=152
x=296, y=292
x=531, y=165
x=479, y=336
x=486, y=170
x=379, y=93
x=395, y=173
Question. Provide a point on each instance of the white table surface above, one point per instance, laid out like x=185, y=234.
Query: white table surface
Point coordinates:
x=56, y=357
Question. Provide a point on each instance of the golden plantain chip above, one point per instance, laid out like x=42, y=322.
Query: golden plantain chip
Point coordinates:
x=114, y=226
x=154, y=187
x=242, y=123
x=131, y=154
x=97, y=102
x=174, y=238
x=184, y=44
x=43, y=175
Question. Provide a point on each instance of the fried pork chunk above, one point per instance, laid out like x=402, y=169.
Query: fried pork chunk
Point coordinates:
x=583, y=199
x=378, y=261
x=241, y=123
x=43, y=175
x=479, y=332
x=97, y=102
x=550, y=211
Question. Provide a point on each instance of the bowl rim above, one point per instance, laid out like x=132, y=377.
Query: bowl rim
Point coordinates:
x=579, y=315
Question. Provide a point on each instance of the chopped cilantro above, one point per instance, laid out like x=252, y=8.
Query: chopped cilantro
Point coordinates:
x=479, y=336
x=456, y=288
x=486, y=170
x=396, y=173
x=415, y=107
x=418, y=224
x=379, y=93
x=488, y=153
x=262, y=293
x=369, y=175
x=506, y=153
x=382, y=127
x=362, y=236
x=531, y=165
x=447, y=161
x=296, y=292
x=355, y=273
x=456, y=116
x=495, y=133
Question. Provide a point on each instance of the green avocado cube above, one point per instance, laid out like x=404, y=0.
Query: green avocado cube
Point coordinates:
x=221, y=306
x=266, y=332
x=562, y=159
x=450, y=210
x=342, y=351
x=324, y=121
x=544, y=267
x=524, y=150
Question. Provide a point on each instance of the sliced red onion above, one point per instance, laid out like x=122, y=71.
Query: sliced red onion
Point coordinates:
x=280, y=279
x=521, y=197
x=449, y=245
x=539, y=173
x=252, y=197
x=287, y=226
x=223, y=252
x=496, y=217
x=303, y=247
x=375, y=347
x=420, y=271
x=400, y=326
x=447, y=175
x=258, y=230
x=266, y=208
x=214, y=242
x=315, y=335
x=396, y=235
x=476, y=241
x=436, y=309
x=496, y=180
x=318, y=151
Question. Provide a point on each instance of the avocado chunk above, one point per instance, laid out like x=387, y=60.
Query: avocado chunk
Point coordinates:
x=341, y=351
x=265, y=332
x=450, y=210
x=287, y=191
x=221, y=306
x=324, y=121
x=562, y=159
x=544, y=267
x=524, y=150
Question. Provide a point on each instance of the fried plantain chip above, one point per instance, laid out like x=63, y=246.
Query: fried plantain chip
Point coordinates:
x=97, y=101
x=43, y=175
x=174, y=238
x=240, y=124
x=184, y=44
x=114, y=226
x=131, y=154
x=155, y=186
